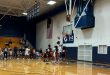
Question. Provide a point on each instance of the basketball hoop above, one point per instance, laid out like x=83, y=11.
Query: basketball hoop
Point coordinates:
x=68, y=4
x=69, y=9
x=68, y=17
x=65, y=34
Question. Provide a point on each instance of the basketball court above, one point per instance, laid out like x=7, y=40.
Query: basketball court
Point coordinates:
x=37, y=67
x=54, y=37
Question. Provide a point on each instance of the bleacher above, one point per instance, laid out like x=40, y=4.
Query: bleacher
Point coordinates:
x=15, y=41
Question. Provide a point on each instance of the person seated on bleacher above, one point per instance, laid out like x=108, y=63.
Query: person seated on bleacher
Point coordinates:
x=10, y=41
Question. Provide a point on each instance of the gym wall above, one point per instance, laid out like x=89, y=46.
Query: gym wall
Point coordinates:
x=99, y=35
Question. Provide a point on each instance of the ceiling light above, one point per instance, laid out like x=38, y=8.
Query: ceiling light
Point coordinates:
x=24, y=13
x=51, y=2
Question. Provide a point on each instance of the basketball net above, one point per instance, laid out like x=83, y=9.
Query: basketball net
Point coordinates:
x=65, y=34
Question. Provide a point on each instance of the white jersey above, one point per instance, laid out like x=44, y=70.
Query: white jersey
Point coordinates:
x=11, y=52
x=54, y=51
x=37, y=53
x=27, y=51
x=59, y=49
x=6, y=49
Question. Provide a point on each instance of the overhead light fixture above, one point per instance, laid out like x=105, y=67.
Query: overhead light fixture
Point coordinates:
x=51, y=2
x=24, y=13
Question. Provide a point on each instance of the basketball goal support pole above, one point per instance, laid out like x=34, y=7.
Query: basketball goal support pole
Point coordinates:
x=4, y=15
x=70, y=5
x=73, y=7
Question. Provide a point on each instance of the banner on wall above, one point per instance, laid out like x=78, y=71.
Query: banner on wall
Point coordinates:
x=85, y=14
x=68, y=36
x=49, y=28
x=68, y=39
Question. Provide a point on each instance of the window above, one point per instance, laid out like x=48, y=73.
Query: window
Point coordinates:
x=102, y=49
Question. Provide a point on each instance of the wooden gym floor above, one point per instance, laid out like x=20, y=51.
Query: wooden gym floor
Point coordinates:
x=37, y=67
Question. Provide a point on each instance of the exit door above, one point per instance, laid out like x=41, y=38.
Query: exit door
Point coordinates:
x=85, y=52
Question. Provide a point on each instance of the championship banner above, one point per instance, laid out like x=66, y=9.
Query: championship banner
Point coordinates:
x=49, y=28
x=85, y=14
